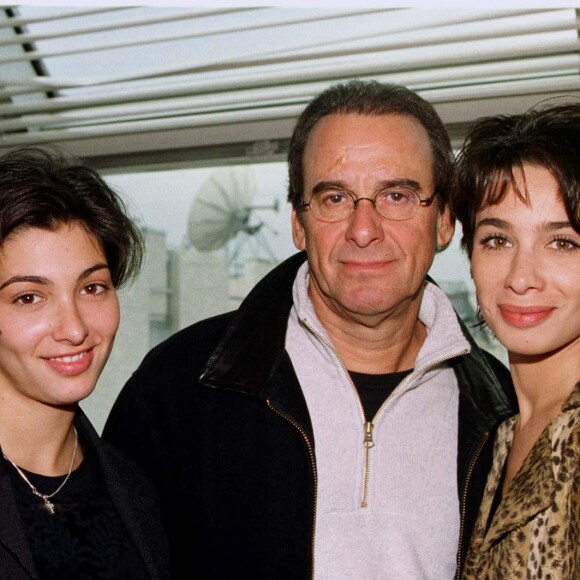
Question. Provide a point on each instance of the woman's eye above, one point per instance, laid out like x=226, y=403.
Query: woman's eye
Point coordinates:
x=94, y=288
x=564, y=244
x=495, y=242
x=28, y=299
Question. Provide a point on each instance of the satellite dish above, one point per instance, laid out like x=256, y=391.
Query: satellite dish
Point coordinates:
x=221, y=210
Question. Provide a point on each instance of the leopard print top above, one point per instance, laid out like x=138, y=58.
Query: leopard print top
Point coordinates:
x=535, y=532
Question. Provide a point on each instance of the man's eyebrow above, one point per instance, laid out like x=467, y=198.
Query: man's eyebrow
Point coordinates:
x=385, y=184
x=41, y=281
x=401, y=182
x=326, y=185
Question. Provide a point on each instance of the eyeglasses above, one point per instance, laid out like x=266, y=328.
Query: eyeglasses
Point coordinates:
x=397, y=204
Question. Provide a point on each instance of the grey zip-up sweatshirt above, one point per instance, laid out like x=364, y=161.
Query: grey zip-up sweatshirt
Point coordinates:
x=387, y=507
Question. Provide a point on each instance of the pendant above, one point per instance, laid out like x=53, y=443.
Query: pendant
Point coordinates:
x=48, y=506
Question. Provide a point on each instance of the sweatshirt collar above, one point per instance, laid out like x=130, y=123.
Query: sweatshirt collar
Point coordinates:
x=445, y=338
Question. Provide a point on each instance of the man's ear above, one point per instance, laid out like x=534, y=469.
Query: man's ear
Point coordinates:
x=445, y=228
x=298, y=233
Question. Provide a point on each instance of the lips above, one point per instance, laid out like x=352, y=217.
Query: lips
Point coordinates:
x=71, y=364
x=525, y=316
x=367, y=265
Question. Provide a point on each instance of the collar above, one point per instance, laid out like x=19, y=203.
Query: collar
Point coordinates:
x=253, y=347
x=573, y=401
x=445, y=338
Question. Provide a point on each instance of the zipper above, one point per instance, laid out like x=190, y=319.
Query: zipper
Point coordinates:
x=368, y=426
x=368, y=441
x=470, y=469
x=300, y=430
x=416, y=374
x=369, y=444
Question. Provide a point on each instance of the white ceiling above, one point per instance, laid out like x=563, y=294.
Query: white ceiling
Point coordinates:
x=149, y=87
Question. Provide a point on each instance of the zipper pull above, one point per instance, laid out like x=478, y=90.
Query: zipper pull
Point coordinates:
x=368, y=442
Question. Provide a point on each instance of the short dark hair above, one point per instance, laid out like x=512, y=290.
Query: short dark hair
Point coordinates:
x=547, y=135
x=44, y=187
x=368, y=98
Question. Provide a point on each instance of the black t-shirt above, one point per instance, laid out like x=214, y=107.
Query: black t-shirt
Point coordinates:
x=373, y=390
x=85, y=539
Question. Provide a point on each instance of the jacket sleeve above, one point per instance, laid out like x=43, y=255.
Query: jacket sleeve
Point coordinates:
x=128, y=427
x=142, y=421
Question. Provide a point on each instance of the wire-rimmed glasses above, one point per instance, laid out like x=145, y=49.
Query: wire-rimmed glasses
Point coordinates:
x=397, y=203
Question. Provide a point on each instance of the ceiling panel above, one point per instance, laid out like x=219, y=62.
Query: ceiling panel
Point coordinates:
x=153, y=86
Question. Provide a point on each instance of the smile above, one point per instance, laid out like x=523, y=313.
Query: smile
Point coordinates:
x=525, y=316
x=70, y=359
x=71, y=365
x=378, y=265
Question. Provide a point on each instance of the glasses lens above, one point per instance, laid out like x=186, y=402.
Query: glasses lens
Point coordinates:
x=331, y=206
x=397, y=204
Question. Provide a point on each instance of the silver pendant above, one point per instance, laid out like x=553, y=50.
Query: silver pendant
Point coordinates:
x=48, y=506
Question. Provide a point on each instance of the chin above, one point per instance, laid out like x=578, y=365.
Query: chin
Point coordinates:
x=365, y=307
x=537, y=349
x=366, y=302
x=74, y=395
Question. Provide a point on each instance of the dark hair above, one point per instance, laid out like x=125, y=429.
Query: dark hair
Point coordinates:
x=42, y=187
x=368, y=98
x=496, y=148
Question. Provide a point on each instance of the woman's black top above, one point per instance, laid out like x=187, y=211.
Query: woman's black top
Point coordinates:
x=85, y=539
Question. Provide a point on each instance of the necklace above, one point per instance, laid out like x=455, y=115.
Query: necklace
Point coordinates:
x=48, y=505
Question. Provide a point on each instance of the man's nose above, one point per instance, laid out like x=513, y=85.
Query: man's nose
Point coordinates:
x=365, y=223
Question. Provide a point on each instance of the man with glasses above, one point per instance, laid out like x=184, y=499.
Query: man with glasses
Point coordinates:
x=340, y=423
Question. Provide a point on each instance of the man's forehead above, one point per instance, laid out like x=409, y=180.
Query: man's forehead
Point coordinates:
x=364, y=131
x=350, y=119
x=392, y=142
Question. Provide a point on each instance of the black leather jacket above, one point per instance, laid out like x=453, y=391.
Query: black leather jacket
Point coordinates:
x=217, y=418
